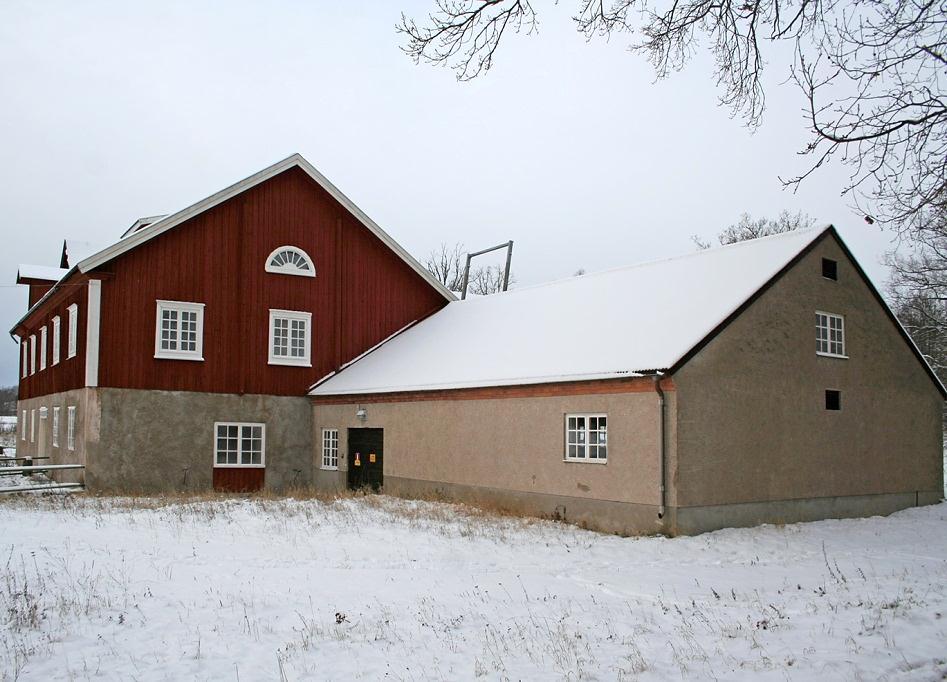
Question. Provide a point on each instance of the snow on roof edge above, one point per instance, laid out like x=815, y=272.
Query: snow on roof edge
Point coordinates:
x=489, y=383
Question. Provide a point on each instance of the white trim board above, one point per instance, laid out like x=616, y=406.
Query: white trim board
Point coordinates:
x=296, y=160
x=93, y=315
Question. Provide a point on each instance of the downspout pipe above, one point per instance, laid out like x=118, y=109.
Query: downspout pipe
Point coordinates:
x=662, y=456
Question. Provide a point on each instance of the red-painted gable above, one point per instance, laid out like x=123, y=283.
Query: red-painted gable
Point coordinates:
x=362, y=293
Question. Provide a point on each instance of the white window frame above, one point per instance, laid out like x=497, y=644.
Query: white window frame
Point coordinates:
x=291, y=316
x=240, y=437
x=23, y=427
x=33, y=425
x=25, y=343
x=288, y=269
x=32, y=354
x=71, y=344
x=330, y=449
x=587, y=416
x=71, y=427
x=56, y=426
x=829, y=317
x=57, y=338
x=42, y=348
x=179, y=307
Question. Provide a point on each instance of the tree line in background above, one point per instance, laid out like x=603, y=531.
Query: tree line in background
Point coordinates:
x=446, y=263
x=7, y=401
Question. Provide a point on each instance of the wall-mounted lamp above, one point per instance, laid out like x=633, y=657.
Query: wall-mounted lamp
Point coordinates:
x=361, y=414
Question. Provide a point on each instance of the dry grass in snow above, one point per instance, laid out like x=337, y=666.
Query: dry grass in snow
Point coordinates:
x=379, y=588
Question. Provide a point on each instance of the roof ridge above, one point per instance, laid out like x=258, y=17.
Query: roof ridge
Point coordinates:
x=816, y=231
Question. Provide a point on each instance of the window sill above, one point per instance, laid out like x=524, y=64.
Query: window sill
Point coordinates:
x=239, y=466
x=328, y=468
x=584, y=461
x=289, y=363
x=169, y=356
x=831, y=355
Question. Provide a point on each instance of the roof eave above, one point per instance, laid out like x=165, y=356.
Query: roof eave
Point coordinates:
x=45, y=297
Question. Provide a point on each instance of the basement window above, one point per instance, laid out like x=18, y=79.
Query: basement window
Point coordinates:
x=830, y=269
x=829, y=335
x=330, y=449
x=239, y=444
x=23, y=426
x=71, y=427
x=586, y=438
x=56, y=426
x=833, y=400
x=179, y=331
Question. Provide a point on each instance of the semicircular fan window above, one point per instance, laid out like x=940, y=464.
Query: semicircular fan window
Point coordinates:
x=289, y=260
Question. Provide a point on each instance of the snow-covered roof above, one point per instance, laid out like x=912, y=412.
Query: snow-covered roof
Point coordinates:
x=43, y=272
x=609, y=324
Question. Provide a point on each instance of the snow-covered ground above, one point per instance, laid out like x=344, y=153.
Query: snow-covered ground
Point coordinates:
x=378, y=588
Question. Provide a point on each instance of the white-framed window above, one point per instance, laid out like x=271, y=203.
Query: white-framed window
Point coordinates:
x=290, y=337
x=33, y=426
x=73, y=311
x=71, y=427
x=25, y=344
x=23, y=426
x=829, y=334
x=239, y=444
x=32, y=353
x=56, y=426
x=586, y=438
x=42, y=348
x=57, y=338
x=290, y=260
x=179, y=330
x=330, y=448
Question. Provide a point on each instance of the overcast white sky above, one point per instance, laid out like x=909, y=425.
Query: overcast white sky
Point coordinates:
x=112, y=111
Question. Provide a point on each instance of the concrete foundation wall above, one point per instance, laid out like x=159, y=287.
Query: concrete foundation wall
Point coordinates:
x=623, y=518
x=693, y=520
x=510, y=451
x=164, y=440
x=752, y=424
x=88, y=415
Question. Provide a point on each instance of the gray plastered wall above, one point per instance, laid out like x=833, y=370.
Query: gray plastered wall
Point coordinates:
x=155, y=441
x=510, y=452
x=151, y=439
x=752, y=427
x=85, y=400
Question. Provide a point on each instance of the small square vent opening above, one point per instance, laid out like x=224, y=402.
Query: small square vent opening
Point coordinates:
x=833, y=400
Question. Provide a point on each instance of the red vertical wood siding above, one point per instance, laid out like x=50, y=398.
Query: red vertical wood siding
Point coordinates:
x=238, y=479
x=362, y=292
x=69, y=373
x=37, y=291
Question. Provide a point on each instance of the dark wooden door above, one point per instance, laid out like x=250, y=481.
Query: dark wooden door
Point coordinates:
x=366, y=458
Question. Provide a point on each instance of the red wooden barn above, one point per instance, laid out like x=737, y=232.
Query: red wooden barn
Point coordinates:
x=181, y=354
